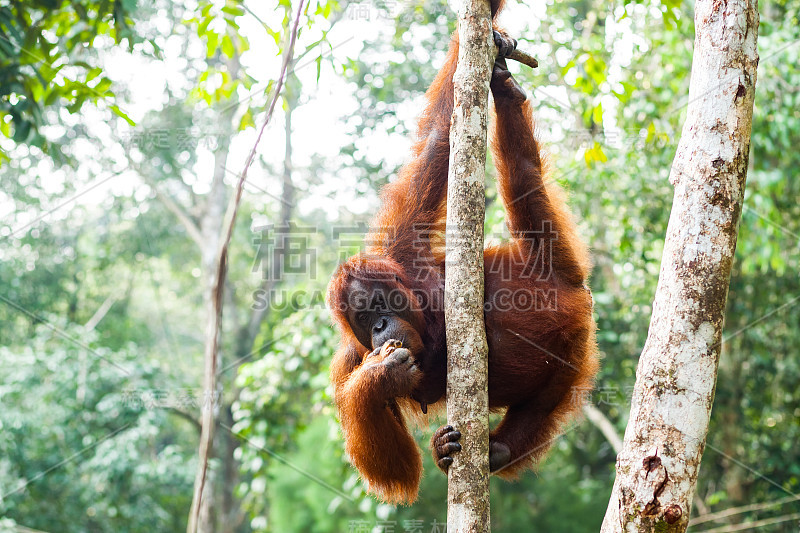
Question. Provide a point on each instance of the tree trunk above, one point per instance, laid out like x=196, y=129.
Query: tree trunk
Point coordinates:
x=272, y=273
x=467, y=352
x=197, y=520
x=211, y=228
x=675, y=380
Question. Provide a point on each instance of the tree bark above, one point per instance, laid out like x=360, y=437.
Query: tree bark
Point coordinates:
x=467, y=352
x=675, y=381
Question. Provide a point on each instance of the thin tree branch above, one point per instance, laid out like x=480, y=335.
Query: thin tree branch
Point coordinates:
x=524, y=57
x=272, y=271
x=186, y=416
x=192, y=229
x=601, y=422
x=747, y=526
x=22, y=529
x=215, y=319
x=731, y=511
x=101, y=312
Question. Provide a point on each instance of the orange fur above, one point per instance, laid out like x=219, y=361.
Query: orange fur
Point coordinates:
x=541, y=359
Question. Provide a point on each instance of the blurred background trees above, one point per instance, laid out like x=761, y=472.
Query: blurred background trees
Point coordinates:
x=122, y=128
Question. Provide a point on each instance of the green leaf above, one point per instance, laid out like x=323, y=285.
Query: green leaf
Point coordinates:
x=227, y=46
x=276, y=36
x=247, y=120
x=5, y=127
x=121, y=114
x=233, y=10
x=102, y=87
x=51, y=98
x=21, y=131
x=595, y=154
x=93, y=73
x=597, y=114
x=212, y=44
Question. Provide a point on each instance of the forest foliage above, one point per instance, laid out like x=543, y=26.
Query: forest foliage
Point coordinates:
x=101, y=272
